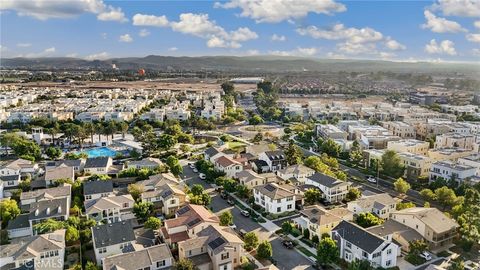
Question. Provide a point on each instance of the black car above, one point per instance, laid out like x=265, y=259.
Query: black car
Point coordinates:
x=224, y=195
x=288, y=244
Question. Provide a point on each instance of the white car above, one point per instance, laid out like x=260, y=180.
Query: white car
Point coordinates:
x=426, y=256
x=202, y=176
x=195, y=170
x=191, y=165
x=233, y=226
x=371, y=179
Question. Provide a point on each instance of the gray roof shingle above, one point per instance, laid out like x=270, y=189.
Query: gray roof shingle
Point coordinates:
x=112, y=234
x=358, y=236
x=95, y=187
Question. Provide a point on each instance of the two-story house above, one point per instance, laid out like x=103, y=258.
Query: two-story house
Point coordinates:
x=29, y=197
x=94, y=190
x=277, y=198
x=167, y=198
x=153, y=258
x=212, y=153
x=77, y=164
x=214, y=247
x=42, y=252
x=319, y=220
x=436, y=228
x=297, y=173
x=146, y=163
x=111, y=209
x=250, y=179
x=56, y=173
x=356, y=243
x=274, y=159
x=228, y=165
x=99, y=165
x=333, y=190
x=112, y=239
x=379, y=204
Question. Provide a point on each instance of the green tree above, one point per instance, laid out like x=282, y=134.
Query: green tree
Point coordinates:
x=353, y=194
x=197, y=189
x=91, y=266
x=123, y=127
x=456, y=264
x=142, y=209
x=312, y=195
x=327, y=251
x=71, y=234
x=255, y=120
x=401, y=186
x=405, y=205
x=226, y=218
x=166, y=141
x=391, y=164
x=47, y=226
x=428, y=194
x=53, y=152
x=445, y=196
x=258, y=137
x=228, y=88
x=416, y=247
x=174, y=165
x=293, y=154
x=135, y=190
x=287, y=227
x=153, y=223
x=174, y=129
x=368, y=219
x=331, y=148
x=251, y=241
x=184, y=264
x=264, y=250
x=8, y=210
x=306, y=233
x=21, y=146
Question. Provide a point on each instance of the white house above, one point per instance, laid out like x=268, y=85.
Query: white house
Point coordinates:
x=94, y=190
x=355, y=243
x=98, y=165
x=277, y=198
x=111, y=209
x=379, y=204
x=333, y=190
x=228, y=165
x=154, y=258
x=449, y=170
x=274, y=159
x=297, y=172
x=112, y=239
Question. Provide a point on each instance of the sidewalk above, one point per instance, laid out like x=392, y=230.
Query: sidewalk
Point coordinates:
x=268, y=225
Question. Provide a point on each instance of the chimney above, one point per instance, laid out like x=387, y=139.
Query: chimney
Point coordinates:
x=59, y=209
x=48, y=210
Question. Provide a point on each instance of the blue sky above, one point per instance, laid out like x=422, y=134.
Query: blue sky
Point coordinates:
x=440, y=30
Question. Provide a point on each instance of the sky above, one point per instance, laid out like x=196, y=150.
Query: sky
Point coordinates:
x=437, y=30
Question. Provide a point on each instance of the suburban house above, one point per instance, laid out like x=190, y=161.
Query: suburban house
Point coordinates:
x=62, y=191
x=319, y=220
x=212, y=153
x=102, y=165
x=260, y=166
x=277, y=198
x=146, y=163
x=436, y=228
x=296, y=173
x=356, y=243
x=153, y=258
x=379, y=204
x=250, y=179
x=167, y=198
x=18, y=167
x=158, y=180
x=10, y=182
x=42, y=252
x=110, y=209
x=401, y=234
x=214, y=247
x=77, y=164
x=112, y=239
x=61, y=172
x=333, y=190
x=274, y=159
x=188, y=220
x=94, y=190
x=228, y=165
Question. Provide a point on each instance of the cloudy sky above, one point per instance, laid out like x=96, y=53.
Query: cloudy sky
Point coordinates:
x=440, y=30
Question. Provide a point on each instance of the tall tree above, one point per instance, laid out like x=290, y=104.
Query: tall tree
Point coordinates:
x=251, y=240
x=264, y=250
x=401, y=186
x=327, y=251
x=293, y=154
x=226, y=218
x=331, y=148
x=123, y=128
x=8, y=210
x=391, y=164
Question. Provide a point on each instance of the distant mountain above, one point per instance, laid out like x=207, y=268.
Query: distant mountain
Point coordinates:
x=232, y=63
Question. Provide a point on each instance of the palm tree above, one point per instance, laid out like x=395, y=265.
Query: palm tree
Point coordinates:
x=111, y=128
x=68, y=130
x=100, y=130
x=53, y=131
x=90, y=130
x=123, y=129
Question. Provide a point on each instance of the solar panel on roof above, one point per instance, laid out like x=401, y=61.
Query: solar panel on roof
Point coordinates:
x=183, y=210
x=269, y=188
x=167, y=193
x=216, y=243
x=314, y=211
x=193, y=222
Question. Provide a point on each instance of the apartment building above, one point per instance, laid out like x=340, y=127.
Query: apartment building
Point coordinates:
x=473, y=161
x=400, y=129
x=459, y=140
x=409, y=146
x=415, y=165
x=452, y=154
x=450, y=170
x=329, y=131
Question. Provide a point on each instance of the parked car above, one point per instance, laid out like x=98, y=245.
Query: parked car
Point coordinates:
x=242, y=232
x=233, y=226
x=371, y=179
x=288, y=244
x=245, y=213
x=195, y=170
x=191, y=165
x=202, y=176
x=426, y=255
x=224, y=195
x=230, y=201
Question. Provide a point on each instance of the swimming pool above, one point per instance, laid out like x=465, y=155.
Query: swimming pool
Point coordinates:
x=100, y=152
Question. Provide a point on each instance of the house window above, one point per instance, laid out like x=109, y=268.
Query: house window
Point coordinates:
x=189, y=253
x=88, y=197
x=289, y=199
x=349, y=245
x=161, y=263
x=125, y=204
x=289, y=206
x=416, y=226
x=102, y=250
x=225, y=267
x=172, y=201
x=225, y=256
x=364, y=254
x=279, y=209
x=389, y=251
x=388, y=263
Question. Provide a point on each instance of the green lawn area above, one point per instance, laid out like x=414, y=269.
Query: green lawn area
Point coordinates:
x=305, y=251
x=234, y=145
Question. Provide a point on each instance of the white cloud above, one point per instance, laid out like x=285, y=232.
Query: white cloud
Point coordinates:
x=199, y=25
x=50, y=50
x=473, y=38
x=104, y=35
x=444, y=47
x=150, y=20
x=476, y=52
x=97, y=56
x=45, y=53
x=125, y=38
x=339, y=32
x=356, y=48
x=172, y=49
x=47, y=9
x=73, y=55
x=276, y=37
x=462, y=8
x=440, y=25
x=24, y=45
x=299, y=51
x=3, y=48
x=253, y=52
x=144, y=33
x=394, y=45
x=477, y=24
x=274, y=11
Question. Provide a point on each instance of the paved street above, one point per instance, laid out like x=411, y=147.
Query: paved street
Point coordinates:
x=286, y=258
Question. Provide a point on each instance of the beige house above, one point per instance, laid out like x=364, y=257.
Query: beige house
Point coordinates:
x=410, y=146
x=167, y=198
x=437, y=229
x=451, y=154
x=250, y=179
x=379, y=204
x=319, y=220
x=111, y=209
x=213, y=248
x=57, y=173
x=415, y=165
x=297, y=173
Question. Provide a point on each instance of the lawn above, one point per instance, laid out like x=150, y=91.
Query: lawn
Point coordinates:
x=235, y=145
x=305, y=251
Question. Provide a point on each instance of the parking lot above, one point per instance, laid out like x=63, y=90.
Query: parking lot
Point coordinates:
x=286, y=258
